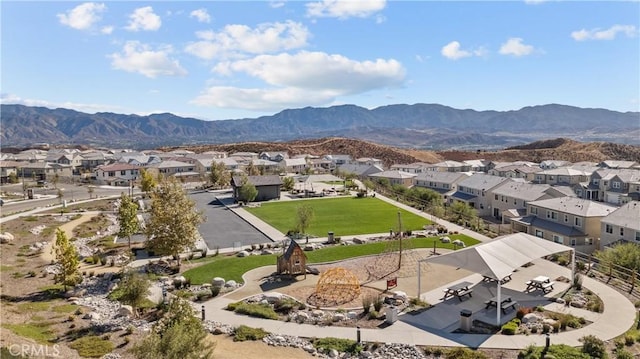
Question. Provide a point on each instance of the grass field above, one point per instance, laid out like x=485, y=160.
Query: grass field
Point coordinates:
x=342, y=216
x=234, y=267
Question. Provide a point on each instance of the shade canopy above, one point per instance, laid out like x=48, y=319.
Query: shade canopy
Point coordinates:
x=500, y=257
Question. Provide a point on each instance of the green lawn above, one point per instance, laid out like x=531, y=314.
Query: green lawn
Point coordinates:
x=343, y=216
x=233, y=267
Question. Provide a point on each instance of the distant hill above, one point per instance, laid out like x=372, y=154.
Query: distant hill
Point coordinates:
x=557, y=149
x=420, y=126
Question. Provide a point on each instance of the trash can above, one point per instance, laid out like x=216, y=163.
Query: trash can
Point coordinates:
x=391, y=315
x=465, y=320
x=330, y=238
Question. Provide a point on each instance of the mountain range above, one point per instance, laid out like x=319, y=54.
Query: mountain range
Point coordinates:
x=420, y=126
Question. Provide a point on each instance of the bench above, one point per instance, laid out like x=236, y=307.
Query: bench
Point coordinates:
x=548, y=287
x=462, y=293
x=506, y=305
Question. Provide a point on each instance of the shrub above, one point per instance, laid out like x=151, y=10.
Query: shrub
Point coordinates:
x=366, y=303
x=215, y=291
x=244, y=333
x=339, y=344
x=629, y=339
x=418, y=302
x=464, y=353
x=577, y=281
x=377, y=304
x=522, y=311
x=373, y=314
x=509, y=328
x=285, y=305
x=623, y=354
x=594, y=347
x=92, y=346
x=255, y=310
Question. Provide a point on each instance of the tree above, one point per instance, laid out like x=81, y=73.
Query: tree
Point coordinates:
x=626, y=255
x=369, y=185
x=252, y=170
x=288, y=183
x=173, y=220
x=13, y=177
x=463, y=212
x=67, y=259
x=133, y=290
x=178, y=335
x=90, y=190
x=128, y=218
x=305, y=216
x=60, y=194
x=248, y=191
x=147, y=182
x=219, y=176
x=55, y=180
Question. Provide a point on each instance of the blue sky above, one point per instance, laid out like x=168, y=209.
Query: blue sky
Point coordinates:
x=236, y=59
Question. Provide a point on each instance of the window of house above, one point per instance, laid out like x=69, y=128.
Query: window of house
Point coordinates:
x=122, y=173
x=621, y=231
x=615, y=185
x=552, y=178
x=606, y=183
x=588, y=241
x=577, y=222
x=573, y=242
x=112, y=173
x=552, y=215
x=534, y=210
x=495, y=196
x=608, y=228
x=558, y=239
x=566, y=218
x=595, y=181
x=638, y=236
x=539, y=233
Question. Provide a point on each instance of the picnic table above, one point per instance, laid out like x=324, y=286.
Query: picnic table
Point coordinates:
x=506, y=302
x=486, y=278
x=540, y=282
x=458, y=290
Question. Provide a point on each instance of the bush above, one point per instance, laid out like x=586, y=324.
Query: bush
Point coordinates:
x=92, y=346
x=559, y=351
x=629, y=339
x=464, y=353
x=594, y=347
x=285, y=305
x=373, y=314
x=244, y=333
x=509, y=328
x=577, y=281
x=254, y=310
x=522, y=311
x=623, y=354
x=215, y=291
x=339, y=344
x=366, y=303
x=377, y=304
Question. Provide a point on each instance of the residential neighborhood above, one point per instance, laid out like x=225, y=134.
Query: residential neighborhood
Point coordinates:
x=588, y=206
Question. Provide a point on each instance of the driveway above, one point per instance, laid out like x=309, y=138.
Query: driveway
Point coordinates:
x=223, y=228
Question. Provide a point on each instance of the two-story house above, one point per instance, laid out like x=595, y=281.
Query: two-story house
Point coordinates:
x=182, y=170
x=449, y=166
x=293, y=165
x=338, y=160
x=614, y=164
x=553, y=164
x=476, y=191
x=570, y=221
x=394, y=177
x=415, y=168
x=274, y=156
x=361, y=171
x=511, y=198
x=563, y=176
x=623, y=224
x=370, y=161
x=117, y=174
x=444, y=183
x=617, y=186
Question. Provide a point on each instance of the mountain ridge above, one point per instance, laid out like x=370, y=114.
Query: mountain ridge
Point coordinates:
x=427, y=126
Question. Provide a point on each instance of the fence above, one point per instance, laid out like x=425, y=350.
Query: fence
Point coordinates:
x=621, y=278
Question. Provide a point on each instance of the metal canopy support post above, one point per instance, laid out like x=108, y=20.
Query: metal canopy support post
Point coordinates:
x=499, y=303
x=419, y=280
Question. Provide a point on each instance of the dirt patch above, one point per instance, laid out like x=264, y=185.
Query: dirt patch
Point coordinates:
x=226, y=348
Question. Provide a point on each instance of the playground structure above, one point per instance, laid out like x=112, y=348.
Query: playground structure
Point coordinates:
x=336, y=286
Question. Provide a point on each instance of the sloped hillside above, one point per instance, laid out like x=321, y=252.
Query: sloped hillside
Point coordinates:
x=333, y=145
x=557, y=149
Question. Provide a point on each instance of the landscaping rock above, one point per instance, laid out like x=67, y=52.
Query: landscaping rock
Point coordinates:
x=242, y=254
x=126, y=311
x=400, y=295
x=273, y=297
x=317, y=313
x=231, y=283
x=445, y=240
x=218, y=282
x=6, y=237
x=333, y=353
x=352, y=315
x=338, y=317
x=358, y=241
x=531, y=318
x=308, y=247
x=266, y=252
x=459, y=243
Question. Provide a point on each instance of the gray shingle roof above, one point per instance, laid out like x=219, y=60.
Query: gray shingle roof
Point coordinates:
x=482, y=181
x=271, y=180
x=627, y=216
x=550, y=226
x=576, y=206
x=525, y=191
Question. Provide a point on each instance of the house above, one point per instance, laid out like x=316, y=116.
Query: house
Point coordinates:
x=513, y=197
x=570, y=221
x=265, y=166
x=395, y=177
x=9, y=169
x=623, y=224
x=449, y=166
x=361, y=171
x=293, y=261
x=476, y=191
x=184, y=171
x=444, y=183
x=92, y=159
x=321, y=165
x=368, y=161
x=273, y=156
x=203, y=165
x=565, y=176
x=117, y=174
x=477, y=165
x=338, y=160
x=215, y=154
x=553, y=164
x=245, y=156
x=416, y=167
x=615, y=186
x=268, y=186
x=612, y=164
x=293, y=165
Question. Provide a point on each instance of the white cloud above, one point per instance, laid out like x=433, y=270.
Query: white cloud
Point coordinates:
x=83, y=16
x=608, y=34
x=144, y=19
x=201, y=14
x=452, y=51
x=276, y=4
x=106, y=30
x=306, y=78
x=534, y=2
x=515, y=47
x=344, y=9
x=234, y=40
x=140, y=58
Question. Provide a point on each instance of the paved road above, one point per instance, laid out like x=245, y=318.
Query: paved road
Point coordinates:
x=223, y=228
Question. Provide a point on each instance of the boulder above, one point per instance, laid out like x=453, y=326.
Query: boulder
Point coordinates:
x=333, y=353
x=125, y=311
x=272, y=297
x=94, y=316
x=530, y=318
x=358, y=241
x=338, y=317
x=400, y=295
x=308, y=247
x=445, y=240
x=459, y=243
x=302, y=316
x=242, y=254
x=218, y=282
x=318, y=313
x=352, y=315
x=266, y=252
x=231, y=283
x=6, y=237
